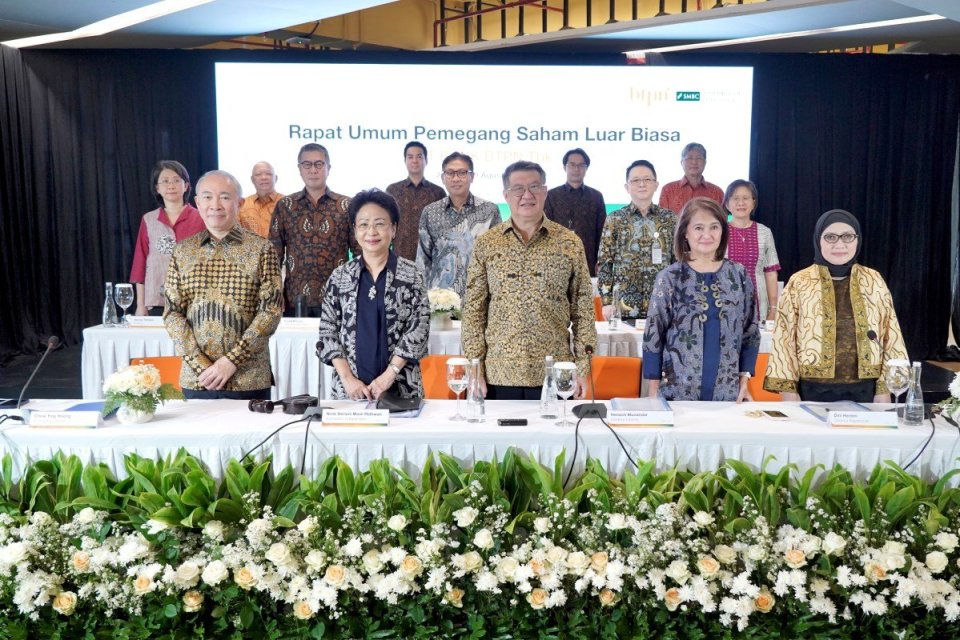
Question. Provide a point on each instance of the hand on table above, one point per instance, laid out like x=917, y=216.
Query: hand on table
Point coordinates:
x=355, y=389
x=382, y=383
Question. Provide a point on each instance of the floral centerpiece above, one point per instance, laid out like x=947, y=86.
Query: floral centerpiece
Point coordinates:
x=135, y=391
x=951, y=406
x=444, y=306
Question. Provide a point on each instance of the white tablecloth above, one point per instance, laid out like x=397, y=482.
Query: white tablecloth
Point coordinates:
x=706, y=435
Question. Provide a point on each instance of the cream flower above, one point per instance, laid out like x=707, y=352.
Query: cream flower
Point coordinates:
x=280, y=555
x=578, y=562
x=454, y=597
x=64, y=602
x=80, y=560
x=192, y=600
x=833, y=544
x=598, y=561
x=472, y=561
x=764, y=601
x=725, y=554
x=316, y=559
x=143, y=584
x=936, y=561
x=538, y=598
x=187, y=575
x=708, y=566
x=607, y=598
x=244, y=578
x=411, y=567
x=483, y=539
x=795, y=558
x=672, y=598
x=372, y=562
x=335, y=575
x=465, y=516
x=302, y=610
x=215, y=572
x=507, y=567
x=397, y=522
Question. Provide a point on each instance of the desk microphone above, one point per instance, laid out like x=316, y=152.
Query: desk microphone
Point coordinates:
x=590, y=409
x=872, y=335
x=52, y=343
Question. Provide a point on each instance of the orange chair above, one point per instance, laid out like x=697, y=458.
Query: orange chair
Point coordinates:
x=433, y=368
x=616, y=377
x=168, y=366
x=755, y=384
x=597, y=308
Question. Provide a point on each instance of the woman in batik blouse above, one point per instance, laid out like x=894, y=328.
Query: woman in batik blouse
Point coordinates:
x=701, y=338
x=375, y=316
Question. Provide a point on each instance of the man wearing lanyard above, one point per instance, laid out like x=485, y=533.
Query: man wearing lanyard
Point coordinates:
x=637, y=242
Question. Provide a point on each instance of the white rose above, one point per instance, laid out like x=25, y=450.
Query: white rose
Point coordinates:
x=372, y=562
x=756, y=552
x=936, y=561
x=556, y=555
x=86, y=515
x=13, y=553
x=316, y=560
x=894, y=548
x=279, y=554
x=65, y=602
x=725, y=554
x=703, y=519
x=472, y=561
x=308, y=525
x=187, y=574
x=507, y=567
x=946, y=541
x=215, y=573
x=213, y=530
x=483, y=539
x=397, y=522
x=465, y=516
x=616, y=521
x=833, y=544
x=541, y=525
x=578, y=562
x=678, y=571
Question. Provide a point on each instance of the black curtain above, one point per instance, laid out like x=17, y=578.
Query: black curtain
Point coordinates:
x=80, y=131
x=873, y=134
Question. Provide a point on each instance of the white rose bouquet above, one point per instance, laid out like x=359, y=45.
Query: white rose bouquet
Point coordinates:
x=444, y=301
x=139, y=388
x=951, y=406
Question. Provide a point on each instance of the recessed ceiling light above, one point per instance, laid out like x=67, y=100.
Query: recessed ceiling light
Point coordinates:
x=113, y=23
x=783, y=36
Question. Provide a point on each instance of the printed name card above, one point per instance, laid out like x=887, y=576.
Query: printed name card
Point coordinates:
x=145, y=321
x=66, y=419
x=296, y=324
x=863, y=419
x=628, y=418
x=356, y=417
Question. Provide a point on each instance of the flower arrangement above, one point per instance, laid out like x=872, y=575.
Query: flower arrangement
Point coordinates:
x=444, y=302
x=951, y=406
x=139, y=388
x=667, y=554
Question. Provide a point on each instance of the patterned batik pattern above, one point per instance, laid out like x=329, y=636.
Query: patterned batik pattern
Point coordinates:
x=412, y=199
x=407, y=316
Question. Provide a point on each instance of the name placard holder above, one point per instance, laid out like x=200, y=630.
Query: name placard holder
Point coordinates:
x=863, y=419
x=299, y=324
x=66, y=419
x=356, y=417
x=155, y=322
x=628, y=418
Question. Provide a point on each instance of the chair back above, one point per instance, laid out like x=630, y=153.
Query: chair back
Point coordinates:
x=597, y=309
x=433, y=369
x=755, y=384
x=168, y=366
x=616, y=377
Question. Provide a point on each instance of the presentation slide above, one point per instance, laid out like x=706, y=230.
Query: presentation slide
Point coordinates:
x=365, y=113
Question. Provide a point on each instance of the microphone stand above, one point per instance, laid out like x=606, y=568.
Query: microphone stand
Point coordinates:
x=590, y=409
x=52, y=343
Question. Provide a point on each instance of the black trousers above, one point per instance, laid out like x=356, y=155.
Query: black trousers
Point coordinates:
x=862, y=391
x=502, y=392
x=204, y=394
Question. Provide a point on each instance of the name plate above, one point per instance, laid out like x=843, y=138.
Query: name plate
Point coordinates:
x=66, y=419
x=627, y=418
x=356, y=417
x=145, y=321
x=863, y=419
x=296, y=324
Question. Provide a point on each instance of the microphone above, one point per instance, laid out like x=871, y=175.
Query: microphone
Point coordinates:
x=52, y=343
x=590, y=409
x=872, y=336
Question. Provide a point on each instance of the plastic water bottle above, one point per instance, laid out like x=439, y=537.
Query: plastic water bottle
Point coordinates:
x=475, y=402
x=548, y=394
x=614, y=321
x=913, y=409
x=109, y=309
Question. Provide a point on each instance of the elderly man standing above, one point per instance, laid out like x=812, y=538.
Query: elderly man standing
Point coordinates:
x=412, y=195
x=675, y=194
x=223, y=300
x=527, y=283
x=256, y=211
x=310, y=232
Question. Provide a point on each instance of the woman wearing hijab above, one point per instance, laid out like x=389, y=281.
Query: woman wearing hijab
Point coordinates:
x=824, y=347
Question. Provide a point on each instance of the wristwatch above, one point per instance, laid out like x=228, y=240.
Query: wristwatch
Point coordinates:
x=395, y=368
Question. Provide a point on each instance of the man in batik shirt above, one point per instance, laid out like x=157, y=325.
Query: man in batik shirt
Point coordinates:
x=412, y=195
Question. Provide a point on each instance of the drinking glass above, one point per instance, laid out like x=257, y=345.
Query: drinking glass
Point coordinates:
x=565, y=375
x=898, y=380
x=457, y=380
x=123, y=295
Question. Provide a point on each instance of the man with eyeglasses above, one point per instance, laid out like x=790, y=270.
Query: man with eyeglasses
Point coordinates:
x=578, y=207
x=310, y=232
x=412, y=195
x=528, y=288
x=257, y=210
x=449, y=227
x=637, y=243
x=675, y=194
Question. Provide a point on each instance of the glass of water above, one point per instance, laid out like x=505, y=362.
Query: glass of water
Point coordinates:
x=457, y=379
x=565, y=375
x=123, y=295
x=897, y=378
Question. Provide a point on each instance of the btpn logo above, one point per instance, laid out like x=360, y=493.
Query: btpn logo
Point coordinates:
x=688, y=96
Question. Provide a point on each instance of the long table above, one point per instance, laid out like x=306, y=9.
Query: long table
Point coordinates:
x=292, y=352
x=706, y=434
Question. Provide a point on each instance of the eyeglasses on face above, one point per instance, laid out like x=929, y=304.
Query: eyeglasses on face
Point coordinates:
x=379, y=226
x=742, y=199
x=577, y=165
x=306, y=165
x=642, y=182
x=168, y=181
x=518, y=190
x=459, y=173
x=832, y=238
